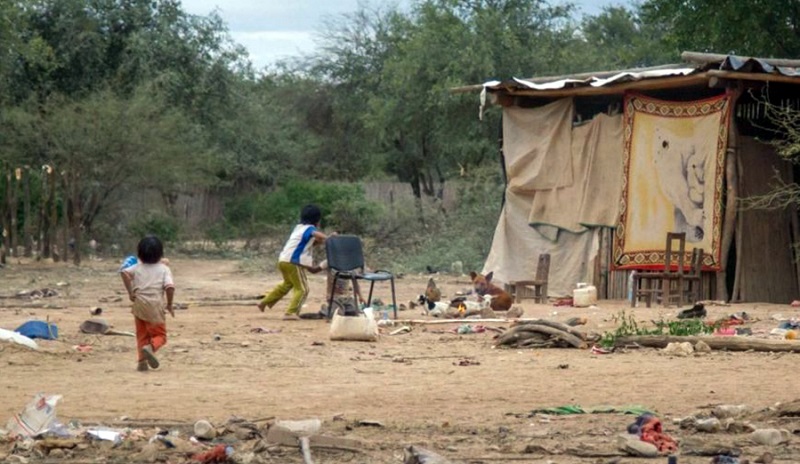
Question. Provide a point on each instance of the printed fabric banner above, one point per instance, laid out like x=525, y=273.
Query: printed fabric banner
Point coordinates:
x=673, y=166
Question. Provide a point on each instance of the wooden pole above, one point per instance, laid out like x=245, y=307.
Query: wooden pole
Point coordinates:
x=697, y=57
x=732, y=181
x=13, y=181
x=4, y=210
x=737, y=294
x=715, y=343
x=27, y=223
x=52, y=224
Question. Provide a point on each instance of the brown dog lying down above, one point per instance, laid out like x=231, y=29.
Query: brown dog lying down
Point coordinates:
x=501, y=300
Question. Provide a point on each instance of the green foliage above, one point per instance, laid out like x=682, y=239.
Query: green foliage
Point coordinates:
x=343, y=206
x=627, y=326
x=164, y=227
x=766, y=28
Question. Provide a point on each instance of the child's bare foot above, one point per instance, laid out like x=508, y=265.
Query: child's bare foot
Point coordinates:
x=291, y=317
x=142, y=366
x=262, y=306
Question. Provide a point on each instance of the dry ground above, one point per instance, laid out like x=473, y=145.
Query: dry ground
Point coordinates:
x=214, y=367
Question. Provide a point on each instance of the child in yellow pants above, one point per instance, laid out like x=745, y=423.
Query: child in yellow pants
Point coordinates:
x=294, y=260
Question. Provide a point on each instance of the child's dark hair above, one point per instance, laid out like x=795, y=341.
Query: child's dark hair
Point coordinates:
x=150, y=249
x=310, y=215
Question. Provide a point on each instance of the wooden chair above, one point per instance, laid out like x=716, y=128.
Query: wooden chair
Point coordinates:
x=658, y=285
x=693, y=281
x=535, y=289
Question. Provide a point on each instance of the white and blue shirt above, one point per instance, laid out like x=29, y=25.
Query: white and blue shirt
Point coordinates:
x=298, y=248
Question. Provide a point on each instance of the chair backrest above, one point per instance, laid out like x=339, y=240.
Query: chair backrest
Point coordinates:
x=344, y=253
x=669, y=252
x=697, y=262
x=543, y=268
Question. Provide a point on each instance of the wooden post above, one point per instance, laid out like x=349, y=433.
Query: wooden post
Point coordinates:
x=27, y=223
x=732, y=187
x=738, y=294
x=51, y=231
x=13, y=239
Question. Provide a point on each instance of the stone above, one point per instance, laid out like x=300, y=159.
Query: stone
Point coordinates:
x=770, y=437
x=636, y=447
x=204, y=430
x=702, y=347
x=679, y=349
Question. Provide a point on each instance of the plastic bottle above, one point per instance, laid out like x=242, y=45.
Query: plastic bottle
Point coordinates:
x=385, y=314
x=630, y=285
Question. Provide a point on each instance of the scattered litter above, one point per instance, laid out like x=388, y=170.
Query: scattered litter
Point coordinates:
x=218, y=454
x=37, y=294
x=263, y=330
x=82, y=348
x=96, y=311
x=795, y=303
x=101, y=327
x=467, y=362
x=698, y=311
x=38, y=329
x=36, y=418
x=402, y=330
x=19, y=339
x=370, y=423
x=649, y=429
x=770, y=437
x=465, y=329
x=417, y=455
x=106, y=434
x=302, y=427
x=600, y=350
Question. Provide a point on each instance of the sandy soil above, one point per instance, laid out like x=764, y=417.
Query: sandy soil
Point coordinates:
x=214, y=367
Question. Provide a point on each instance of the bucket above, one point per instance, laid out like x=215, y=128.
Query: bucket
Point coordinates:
x=584, y=295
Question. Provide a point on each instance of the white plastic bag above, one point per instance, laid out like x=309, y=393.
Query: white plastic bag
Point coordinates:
x=356, y=328
x=36, y=418
x=18, y=338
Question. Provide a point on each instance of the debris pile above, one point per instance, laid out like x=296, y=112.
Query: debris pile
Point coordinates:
x=542, y=333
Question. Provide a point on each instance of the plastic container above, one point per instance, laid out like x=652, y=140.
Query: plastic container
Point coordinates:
x=585, y=295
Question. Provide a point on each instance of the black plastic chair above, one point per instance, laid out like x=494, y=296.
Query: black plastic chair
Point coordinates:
x=346, y=261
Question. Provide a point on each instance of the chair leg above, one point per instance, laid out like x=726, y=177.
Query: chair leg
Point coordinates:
x=394, y=300
x=369, y=298
x=330, y=299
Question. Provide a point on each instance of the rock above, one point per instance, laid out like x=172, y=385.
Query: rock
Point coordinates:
x=725, y=411
x=244, y=458
x=416, y=455
x=710, y=425
x=56, y=453
x=702, y=347
x=204, y=430
x=17, y=459
x=515, y=312
x=770, y=437
x=636, y=447
x=679, y=349
x=149, y=453
x=734, y=426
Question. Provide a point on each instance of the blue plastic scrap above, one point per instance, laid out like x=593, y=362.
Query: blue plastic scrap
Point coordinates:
x=38, y=329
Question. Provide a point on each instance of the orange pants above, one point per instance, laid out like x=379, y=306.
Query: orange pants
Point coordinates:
x=149, y=333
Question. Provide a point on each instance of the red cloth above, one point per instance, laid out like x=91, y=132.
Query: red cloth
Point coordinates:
x=149, y=333
x=216, y=454
x=652, y=432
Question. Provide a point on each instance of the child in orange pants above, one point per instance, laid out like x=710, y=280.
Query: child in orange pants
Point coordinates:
x=150, y=288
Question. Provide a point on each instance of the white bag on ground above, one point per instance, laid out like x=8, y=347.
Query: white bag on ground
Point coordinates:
x=36, y=418
x=356, y=328
x=18, y=338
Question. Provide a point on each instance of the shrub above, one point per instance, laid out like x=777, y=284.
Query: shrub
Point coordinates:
x=164, y=227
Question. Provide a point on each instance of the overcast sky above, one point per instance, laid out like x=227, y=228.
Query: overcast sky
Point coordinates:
x=275, y=29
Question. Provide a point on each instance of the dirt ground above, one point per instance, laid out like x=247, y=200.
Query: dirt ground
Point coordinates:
x=214, y=367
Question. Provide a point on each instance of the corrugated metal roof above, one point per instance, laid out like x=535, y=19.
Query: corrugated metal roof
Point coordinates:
x=703, y=66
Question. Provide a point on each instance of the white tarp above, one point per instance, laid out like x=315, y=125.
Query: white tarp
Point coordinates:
x=567, y=182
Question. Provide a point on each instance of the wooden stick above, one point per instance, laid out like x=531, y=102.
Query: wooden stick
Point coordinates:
x=715, y=343
x=698, y=57
x=729, y=219
x=458, y=321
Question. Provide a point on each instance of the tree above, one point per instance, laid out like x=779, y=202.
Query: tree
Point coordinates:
x=768, y=28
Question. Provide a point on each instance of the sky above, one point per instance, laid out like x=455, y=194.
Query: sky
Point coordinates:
x=274, y=29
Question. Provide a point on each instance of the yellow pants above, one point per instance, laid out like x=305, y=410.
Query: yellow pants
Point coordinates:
x=294, y=279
